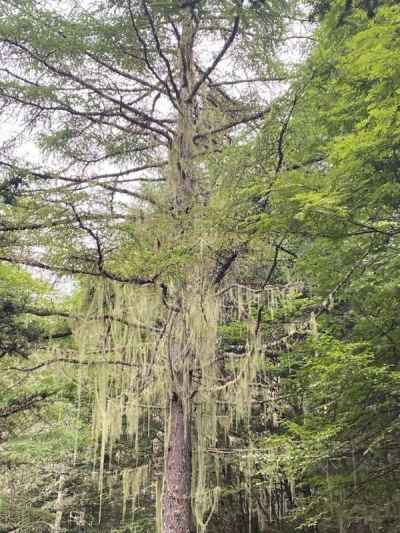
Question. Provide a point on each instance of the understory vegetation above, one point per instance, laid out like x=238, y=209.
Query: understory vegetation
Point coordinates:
x=199, y=266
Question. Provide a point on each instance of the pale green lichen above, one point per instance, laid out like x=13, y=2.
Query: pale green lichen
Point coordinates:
x=133, y=335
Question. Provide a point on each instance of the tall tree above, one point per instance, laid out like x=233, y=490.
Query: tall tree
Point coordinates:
x=117, y=94
x=339, y=199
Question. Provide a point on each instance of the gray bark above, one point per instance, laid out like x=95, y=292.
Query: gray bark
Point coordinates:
x=177, y=509
x=176, y=503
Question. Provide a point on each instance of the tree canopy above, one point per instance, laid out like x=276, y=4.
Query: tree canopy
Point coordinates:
x=198, y=260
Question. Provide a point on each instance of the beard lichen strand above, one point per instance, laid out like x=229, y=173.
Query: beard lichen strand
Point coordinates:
x=134, y=482
x=158, y=489
x=120, y=327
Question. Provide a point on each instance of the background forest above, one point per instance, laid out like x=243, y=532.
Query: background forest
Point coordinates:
x=199, y=266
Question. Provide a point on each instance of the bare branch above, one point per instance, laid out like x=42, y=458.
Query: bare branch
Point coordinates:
x=146, y=56
x=29, y=261
x=267, y=280
x=216, y=61
x=71, y=362
x=222, y=271
x=94, y=236
x=230, y=125
x=44, y=312
x=69, y=75
x=249, y=80
x=159, y=49
x=282, y=134
x=80, y=181
x=130, y=171
x=25, y=403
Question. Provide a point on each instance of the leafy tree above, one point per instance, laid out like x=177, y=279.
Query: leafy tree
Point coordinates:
x=338, y=198
x=117, y=94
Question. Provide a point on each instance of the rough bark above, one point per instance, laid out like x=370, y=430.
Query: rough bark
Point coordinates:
x=181, y=154
x=177, y=509
x=176, y=505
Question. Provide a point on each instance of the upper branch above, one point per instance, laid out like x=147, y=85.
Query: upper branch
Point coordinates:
x=30, y=261
x=94, y=235
x=24, y=403
x=144, y=124
x=79, y=181
x=216, y=61
x=159, y=48
x=146, y=57
x=232, y=124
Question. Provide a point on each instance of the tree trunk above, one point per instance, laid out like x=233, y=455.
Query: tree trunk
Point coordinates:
x=176, y=505
x=177, y=514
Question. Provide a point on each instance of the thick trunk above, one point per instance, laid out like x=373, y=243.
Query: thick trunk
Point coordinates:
x=181, y=155
x=176, y=504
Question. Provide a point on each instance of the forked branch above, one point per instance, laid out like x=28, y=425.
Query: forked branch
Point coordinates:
x=216, y=61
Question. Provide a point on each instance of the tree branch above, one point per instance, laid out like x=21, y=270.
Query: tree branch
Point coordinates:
x=282, y=134
x=69, y=75
x=250, y=80
x=28, y=261
x=159, y=49
x=146, y=56
x=25, y=403
x=231, y=125
x=71, y=362
x=225, y=266
x=216, y=61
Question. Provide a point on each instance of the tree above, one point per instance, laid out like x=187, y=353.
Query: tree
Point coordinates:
x=117, y=94
x=338, y=197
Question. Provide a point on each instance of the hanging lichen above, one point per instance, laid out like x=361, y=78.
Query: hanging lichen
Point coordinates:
x=129, y=335
x=133, y=484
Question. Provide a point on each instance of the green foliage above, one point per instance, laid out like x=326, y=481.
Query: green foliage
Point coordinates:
x=342, y=445
x=19, y=332
x=338, y=197
x=308, y=211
